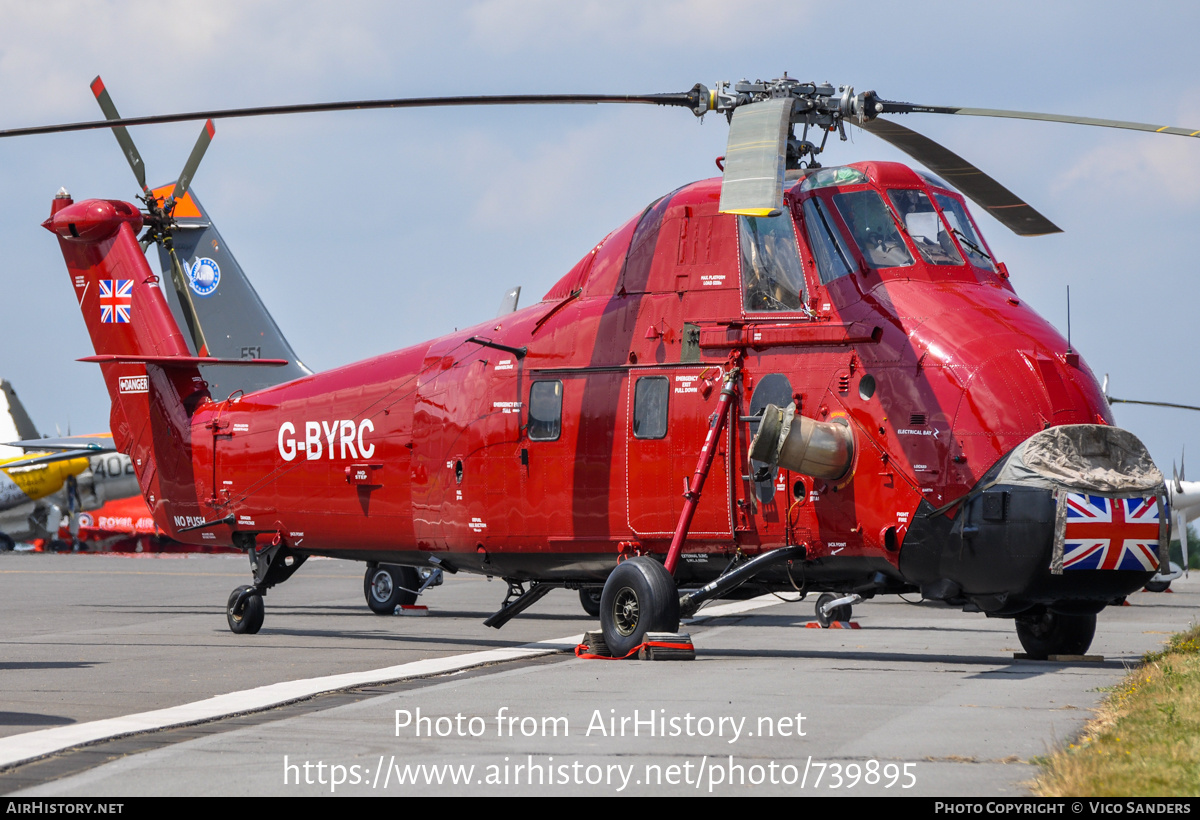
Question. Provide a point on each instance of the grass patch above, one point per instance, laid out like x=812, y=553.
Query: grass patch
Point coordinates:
x=1145, y=741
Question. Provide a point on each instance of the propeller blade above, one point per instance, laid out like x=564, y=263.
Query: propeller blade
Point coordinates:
x=120, y=132
x=189, y=167
x=1009, y=209
x=179, y=280
x=889, y=107
x=1175, y=478
x=1181, y=525
x=1182, y=468
x=755, y=158
x=688, y=99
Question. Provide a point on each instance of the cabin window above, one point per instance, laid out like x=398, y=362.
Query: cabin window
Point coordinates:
x=963, y=230
x=873, y=228
x=650, y=407
x=772, y=278
x=925, y=227
x=545, y=411
x=828, y=247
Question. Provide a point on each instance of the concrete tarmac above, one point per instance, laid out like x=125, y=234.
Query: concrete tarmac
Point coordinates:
x=919, y=701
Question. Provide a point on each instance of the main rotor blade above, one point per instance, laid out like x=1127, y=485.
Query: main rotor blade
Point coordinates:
x=120, y=132
x=1011, y=211
x=1111, y=400
x=755, y=157
x=888, y=107
x=682, y=99
x=189, y=167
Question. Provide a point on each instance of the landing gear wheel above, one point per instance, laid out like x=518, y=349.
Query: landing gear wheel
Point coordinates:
x=249, y=619
x=589, y=597
x=388, y=586
x=1052, y=633
x=6, y=543
x=1158, y=586
x=639, y=597
x=838, y=613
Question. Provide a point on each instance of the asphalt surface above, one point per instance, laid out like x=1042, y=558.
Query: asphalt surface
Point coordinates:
x=919, y=701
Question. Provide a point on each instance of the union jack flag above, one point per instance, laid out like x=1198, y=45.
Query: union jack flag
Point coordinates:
x=1110, y=533
x=116, y=299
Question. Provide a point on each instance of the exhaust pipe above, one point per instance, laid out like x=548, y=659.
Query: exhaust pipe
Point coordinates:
x=815, y=448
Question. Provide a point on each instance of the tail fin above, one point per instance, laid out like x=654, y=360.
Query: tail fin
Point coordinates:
x=151, y=377
x=236, y=323
x=15, y=424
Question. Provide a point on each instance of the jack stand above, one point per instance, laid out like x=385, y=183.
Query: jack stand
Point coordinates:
x=518, y=600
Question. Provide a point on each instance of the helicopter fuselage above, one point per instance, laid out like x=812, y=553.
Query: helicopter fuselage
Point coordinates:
x=553, y=442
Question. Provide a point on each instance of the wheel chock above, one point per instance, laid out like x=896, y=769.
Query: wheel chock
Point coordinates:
x=833, y=625
x=593, y=646
x=657, y=646
x=667, y=646
x=414, y=610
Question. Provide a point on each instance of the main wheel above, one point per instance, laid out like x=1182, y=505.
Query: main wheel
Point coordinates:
x=1053, y=633
x=589, y=598
x=249, y=618
x=6, y=543
x=388, y=586
x=639, y=597
x=838, y=613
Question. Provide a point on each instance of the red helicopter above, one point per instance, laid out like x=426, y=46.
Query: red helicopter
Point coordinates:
x=793, y=377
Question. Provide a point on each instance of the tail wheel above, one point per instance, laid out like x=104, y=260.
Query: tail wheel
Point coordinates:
x=1053, y=633
x=639, y=597
x=245, y=611
x=388, y=586
x=838, y=613
x=589, y=599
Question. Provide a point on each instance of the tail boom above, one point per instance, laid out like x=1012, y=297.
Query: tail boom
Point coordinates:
x=148, y=369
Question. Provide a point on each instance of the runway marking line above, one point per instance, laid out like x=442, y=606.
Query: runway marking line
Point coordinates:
x=30, y=746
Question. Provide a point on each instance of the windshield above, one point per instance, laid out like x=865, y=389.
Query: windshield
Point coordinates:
x=772, y=278
x=871, y=224
x=961, y=227
x=926, y=229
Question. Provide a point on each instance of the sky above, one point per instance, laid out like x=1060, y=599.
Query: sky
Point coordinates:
x=369, y=231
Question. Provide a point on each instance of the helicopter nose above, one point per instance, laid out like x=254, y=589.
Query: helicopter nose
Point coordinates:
x=1073, y=519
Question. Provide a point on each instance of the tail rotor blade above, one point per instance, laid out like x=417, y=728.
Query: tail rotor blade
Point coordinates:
x=179, y=280
x=120, y=132
x=193, y=162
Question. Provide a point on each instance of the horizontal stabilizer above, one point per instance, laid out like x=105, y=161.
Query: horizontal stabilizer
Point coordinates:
x=98, y=442
x=51, y=458
x=178, y=361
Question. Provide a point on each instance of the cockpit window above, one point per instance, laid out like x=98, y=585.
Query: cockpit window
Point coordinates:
x=772, y=278
x=964, y=231
x=925, y=227
x=829, y=249
x=824, y=177
x=873, y=228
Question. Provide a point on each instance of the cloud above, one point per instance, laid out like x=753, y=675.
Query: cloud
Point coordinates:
x=1139, y=165
x=508, y=26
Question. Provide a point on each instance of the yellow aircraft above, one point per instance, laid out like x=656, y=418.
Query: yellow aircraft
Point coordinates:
x=38, y=488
